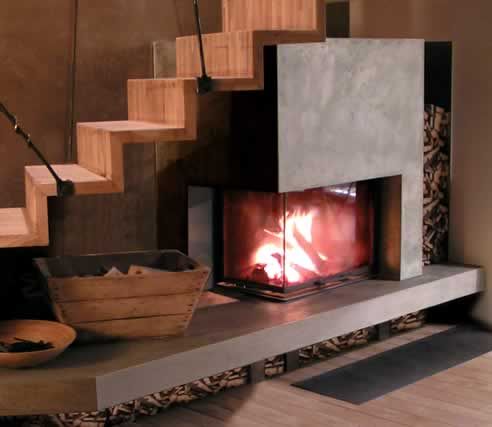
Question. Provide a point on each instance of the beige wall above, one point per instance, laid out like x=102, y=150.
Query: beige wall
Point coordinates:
x=35, y=61
x=467, y=24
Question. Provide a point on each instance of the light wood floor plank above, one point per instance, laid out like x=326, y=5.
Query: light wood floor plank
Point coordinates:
x=291, y=399
x=437, y=410
x=229, y=417
x=382, y=410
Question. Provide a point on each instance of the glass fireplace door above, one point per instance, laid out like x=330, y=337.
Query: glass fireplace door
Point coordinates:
x=293, y=240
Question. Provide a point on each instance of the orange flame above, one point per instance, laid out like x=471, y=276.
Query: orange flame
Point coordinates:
x=298, y=234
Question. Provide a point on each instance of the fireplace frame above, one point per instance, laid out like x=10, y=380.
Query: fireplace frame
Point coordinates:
x=206, y=241
x=315, y=284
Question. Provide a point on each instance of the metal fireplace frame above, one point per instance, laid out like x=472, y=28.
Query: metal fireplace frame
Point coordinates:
x=215, y=214
x=316, y=284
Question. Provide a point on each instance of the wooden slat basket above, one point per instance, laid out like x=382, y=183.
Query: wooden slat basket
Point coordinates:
x=155, y=296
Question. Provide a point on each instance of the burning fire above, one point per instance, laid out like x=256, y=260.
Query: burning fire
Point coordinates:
x=299, y=256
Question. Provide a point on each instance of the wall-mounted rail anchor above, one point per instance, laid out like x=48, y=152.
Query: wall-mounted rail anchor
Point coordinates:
x=205, y=83
x=64, y=187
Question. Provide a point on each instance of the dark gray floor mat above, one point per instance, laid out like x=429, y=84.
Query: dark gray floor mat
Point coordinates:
x=376, y=376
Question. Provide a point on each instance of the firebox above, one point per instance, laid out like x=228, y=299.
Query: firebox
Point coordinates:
x=285, y=246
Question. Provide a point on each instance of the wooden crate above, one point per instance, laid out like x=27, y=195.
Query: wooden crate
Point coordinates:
x=158, y=304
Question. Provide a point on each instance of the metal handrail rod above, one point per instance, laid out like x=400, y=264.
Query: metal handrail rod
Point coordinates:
x=204, y=82
x=64, y=187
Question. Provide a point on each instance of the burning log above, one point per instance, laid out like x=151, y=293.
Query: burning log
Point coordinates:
x=311, y=252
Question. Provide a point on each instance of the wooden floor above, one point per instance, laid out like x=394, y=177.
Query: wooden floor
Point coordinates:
x=461, y=397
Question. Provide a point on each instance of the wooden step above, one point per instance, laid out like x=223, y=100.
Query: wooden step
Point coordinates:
x=292, y=15
x=86, y=182
x=16, y=229
x=237, y=55
x=132, y=131
x=100, y=145
x=171, y=102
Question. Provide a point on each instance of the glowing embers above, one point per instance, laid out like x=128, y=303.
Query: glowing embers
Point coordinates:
x=289, y=240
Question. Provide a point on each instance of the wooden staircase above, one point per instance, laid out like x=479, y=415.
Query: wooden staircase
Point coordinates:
x=161, y=110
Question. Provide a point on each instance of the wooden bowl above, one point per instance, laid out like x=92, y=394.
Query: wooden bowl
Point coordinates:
x=61, y=336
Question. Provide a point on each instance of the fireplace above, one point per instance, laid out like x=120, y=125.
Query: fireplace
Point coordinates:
x=284, y=246
x=263, y=224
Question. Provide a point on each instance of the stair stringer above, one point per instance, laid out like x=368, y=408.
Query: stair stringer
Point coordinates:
x=162, y=110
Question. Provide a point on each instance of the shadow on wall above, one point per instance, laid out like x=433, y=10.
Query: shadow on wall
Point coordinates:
x=338, y=19
x=21, y=295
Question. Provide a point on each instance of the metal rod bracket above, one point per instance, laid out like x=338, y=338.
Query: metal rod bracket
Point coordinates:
x=64, y=187
x=205, y=83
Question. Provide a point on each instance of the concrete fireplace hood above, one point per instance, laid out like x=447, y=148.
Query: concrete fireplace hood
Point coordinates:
x=351, y=110
x=337, y=112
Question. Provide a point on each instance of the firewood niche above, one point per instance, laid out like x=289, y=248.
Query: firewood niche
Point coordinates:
x=437, y=150
x=436, y=184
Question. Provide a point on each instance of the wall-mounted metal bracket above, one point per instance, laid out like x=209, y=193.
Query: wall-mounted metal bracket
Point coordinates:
x=205, y=83
x=64, y=187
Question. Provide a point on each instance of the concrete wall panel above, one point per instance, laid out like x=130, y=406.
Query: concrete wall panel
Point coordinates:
x=351, y=110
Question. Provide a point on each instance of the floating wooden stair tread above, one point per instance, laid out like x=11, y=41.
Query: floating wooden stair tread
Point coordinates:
x=128, y=126
x=132, y=131
x=86, y=182
x=293, y=15
x=21, y=227
x=235, y=55
x=15, y=228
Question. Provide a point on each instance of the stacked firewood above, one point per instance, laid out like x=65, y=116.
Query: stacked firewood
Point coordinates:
x=275, y=366
x=153, y=404
x=409, y=322
x=335, y=346
x=147, y=406
x=437, y=132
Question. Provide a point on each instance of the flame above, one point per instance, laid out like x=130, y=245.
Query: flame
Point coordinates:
x=297, y=230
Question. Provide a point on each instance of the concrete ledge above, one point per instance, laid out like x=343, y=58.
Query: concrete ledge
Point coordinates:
x=224, y=334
